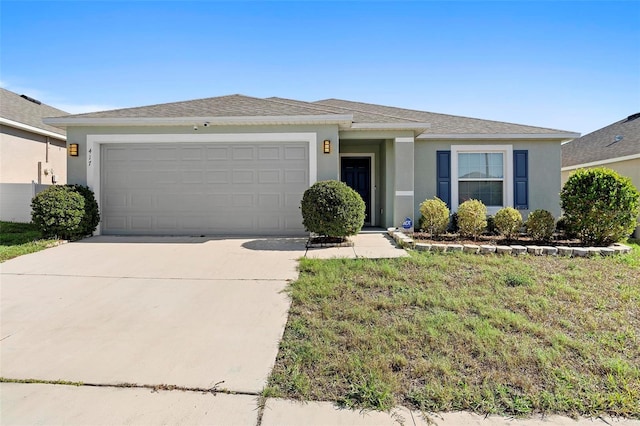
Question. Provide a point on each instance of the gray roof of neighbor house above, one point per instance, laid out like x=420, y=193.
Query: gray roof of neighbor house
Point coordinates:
x=619, y=139
x=361, y=115
x=28, y=111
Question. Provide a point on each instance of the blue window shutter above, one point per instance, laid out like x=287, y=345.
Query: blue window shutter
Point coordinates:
x=521, y=179
x=443, y=172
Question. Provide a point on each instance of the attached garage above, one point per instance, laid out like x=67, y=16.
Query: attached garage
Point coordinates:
x=202, y=188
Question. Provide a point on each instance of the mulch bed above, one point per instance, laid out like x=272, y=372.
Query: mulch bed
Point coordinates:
x=315, y=242
x=496, y=240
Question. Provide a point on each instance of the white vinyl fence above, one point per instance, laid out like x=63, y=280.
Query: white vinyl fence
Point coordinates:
x=15, y=200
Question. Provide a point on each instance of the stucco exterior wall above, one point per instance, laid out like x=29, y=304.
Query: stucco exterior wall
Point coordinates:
x=544, y=170
x=628, y=168
x=21, y=151
x=327, y=163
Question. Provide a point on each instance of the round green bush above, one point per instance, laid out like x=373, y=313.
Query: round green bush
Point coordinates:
x=600, y=206
x=435, y=216
x=472, y=218
x=331, y=208
x=540, y=225
x=58, y=211
x=508, y=222
x=91, y=216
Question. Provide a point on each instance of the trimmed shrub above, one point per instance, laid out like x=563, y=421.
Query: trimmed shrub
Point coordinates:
x=58, y=211
x=540, y=225
x=508, y=222
x=600, y=206
x=91, y=216
x=561, y=226
x=331, y=208
x=472, y=218
x=435, y=216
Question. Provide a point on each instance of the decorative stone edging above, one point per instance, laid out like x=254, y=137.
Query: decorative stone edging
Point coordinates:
x=405, y=241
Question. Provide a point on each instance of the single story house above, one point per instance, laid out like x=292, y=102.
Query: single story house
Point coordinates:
x=616, y=146
x=238, y=165
x=33, y=154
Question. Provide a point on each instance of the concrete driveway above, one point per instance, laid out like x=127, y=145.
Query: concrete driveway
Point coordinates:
x=188, y=312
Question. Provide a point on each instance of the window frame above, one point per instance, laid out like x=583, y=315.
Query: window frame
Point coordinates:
x=507, y=173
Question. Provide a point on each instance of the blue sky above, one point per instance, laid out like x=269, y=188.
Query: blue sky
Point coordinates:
x=570, y=65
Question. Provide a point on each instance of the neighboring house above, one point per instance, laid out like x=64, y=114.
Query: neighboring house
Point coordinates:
x=29, y=149
x=32, y=154
x=616, y=146
x=239, y=165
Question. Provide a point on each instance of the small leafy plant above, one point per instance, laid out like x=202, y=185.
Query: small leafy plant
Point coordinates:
x=435, y=216
x=508, y=222
x=540, y=225
x=472, y=218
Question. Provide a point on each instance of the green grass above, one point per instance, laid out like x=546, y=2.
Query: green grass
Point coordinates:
x=444, y=332
x=17, y=239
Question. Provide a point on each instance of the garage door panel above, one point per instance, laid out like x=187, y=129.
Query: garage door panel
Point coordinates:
x=269, y=153
x=196, y=189
x=217, y=176
x=218, y=153
x=243, y=176
x=242, y=153
x=295, y=176
x=141, y=223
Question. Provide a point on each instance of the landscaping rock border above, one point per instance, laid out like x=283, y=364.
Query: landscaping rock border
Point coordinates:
x=405, y=241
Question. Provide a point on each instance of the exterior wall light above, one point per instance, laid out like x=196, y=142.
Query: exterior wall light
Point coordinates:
x=73, y=149
x=326, y=146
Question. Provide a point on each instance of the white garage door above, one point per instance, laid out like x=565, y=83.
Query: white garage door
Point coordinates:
x=203, y=189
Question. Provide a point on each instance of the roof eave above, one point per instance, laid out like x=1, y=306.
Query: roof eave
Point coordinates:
x=418, y=128
x=600, y=162
x=63, y=122
x=32, y=129
x=561, y=136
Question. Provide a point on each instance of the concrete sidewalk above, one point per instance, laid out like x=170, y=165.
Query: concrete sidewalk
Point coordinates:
x=372, y=244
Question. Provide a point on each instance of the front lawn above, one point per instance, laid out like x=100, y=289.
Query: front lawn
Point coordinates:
x=445, y=332
x=17, y=239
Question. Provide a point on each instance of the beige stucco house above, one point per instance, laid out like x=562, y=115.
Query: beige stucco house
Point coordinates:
x=30, y=150
x=32, y=153
x=616, y=146
x=239, y=165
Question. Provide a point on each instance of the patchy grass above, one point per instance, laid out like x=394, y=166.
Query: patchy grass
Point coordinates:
x=444, y=332
x=17, y=239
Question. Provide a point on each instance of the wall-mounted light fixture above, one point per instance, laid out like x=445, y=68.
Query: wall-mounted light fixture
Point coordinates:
x=73, y=149
x=326, y=146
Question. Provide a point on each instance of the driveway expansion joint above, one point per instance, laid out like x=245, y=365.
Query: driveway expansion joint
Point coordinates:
x=154, y=388
x=144, y=278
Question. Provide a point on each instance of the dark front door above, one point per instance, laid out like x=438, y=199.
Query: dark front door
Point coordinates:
x=356, y=173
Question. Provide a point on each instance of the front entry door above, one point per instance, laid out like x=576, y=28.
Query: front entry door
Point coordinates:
x=356, y=173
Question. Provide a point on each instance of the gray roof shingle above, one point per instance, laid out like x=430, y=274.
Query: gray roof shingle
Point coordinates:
x=601, y=144
x=16, y=108
x=222, y=106
x=441, y=123
x=245, y=106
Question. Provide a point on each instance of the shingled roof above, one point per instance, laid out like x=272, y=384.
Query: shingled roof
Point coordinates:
x=440, y=123
x=620, y=139
x=28, y=111
x=358, y=114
